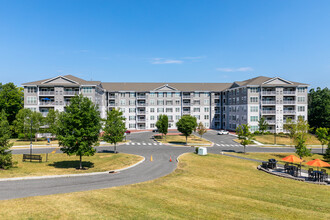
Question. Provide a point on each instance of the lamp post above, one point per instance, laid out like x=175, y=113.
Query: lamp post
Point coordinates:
x=31, y=140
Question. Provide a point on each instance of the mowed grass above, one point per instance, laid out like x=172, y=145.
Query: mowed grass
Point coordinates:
x=279, y=156
x=62, y=164
x=18, y=142
x=203, y=187
x=284, y=139
x=180, y=139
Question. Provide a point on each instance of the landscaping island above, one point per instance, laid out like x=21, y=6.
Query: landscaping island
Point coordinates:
x=231, y=188
x=179, y=139
x=60, y=164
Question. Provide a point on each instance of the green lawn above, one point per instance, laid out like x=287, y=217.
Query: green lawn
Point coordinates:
x=18, y=142
x=284, y=139
x=181, y=140
x=203, y=187
x=279, y=156
x=62, y=164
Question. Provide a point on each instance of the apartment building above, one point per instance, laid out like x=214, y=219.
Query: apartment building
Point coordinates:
x=216, y=105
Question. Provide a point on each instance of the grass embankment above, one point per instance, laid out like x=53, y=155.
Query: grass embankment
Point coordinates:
x=284, y=139
x=203, y=187
x=279, y=156
x=18, y=142
x=181, y=140
x=59, y=164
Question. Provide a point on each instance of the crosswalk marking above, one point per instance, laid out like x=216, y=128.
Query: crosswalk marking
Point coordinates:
x=144, y=143
x=138, y=143
x=133, y=143
x=218, y=144
x=155, y=143
x=149, y=143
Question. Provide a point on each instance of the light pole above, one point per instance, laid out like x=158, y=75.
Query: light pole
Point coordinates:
x=31, y=140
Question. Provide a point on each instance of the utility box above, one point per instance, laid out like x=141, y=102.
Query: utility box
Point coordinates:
x=202, y=151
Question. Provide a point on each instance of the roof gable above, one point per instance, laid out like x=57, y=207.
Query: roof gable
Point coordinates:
x=277, y=81
x=60, y=80
x=165, y=87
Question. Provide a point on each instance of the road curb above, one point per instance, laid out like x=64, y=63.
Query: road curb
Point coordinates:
x=71, y=175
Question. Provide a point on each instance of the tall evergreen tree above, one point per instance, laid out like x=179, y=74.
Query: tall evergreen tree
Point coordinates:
x=5, y=133
x=78, y=128
x=114, y=129
x=319, y=108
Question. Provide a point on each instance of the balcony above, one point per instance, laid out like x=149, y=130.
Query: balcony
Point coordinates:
x=289, y=111
x=141, y=112
x=272, y=93
x=186, y=112
x=49, y=103
x=46, y=93
x=186, y=104
x=289, y=102
x=270, y=122
x=289, y=92
x=112, y=104
x=267, y=102
x=71, y=92
x=112, y=97
x=268, y=112
x=141, y=104
x=216, y=96
x=141, y=120
x=44, y=114
x=186, y=96
x=216, y=103
x=67, y=102
x=141, y=97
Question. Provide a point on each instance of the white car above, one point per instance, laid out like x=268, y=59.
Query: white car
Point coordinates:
x=223, y=132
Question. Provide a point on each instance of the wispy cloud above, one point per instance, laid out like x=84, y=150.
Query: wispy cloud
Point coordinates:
x=193, y=58
x=165, y=61
x=240, y=69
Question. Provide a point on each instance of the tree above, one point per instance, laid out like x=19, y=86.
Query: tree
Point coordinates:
x=201, y=129
x=326, y=156
x=162, y=124
x=37, y=122
x=322, y=136
x=51, y=121
x=300, y=138
x=319, y=108
x=186, y=125
x=11, y=100
x=23, y=122
x=263, y=125
x=244, y=135
x=114, y=129
x=78, y=128
x=5, y=133
x=291, y=127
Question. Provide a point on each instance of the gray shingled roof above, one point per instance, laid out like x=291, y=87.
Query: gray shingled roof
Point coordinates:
x=73, y=78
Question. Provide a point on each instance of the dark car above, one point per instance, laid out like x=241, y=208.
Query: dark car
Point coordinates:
x=155, y=130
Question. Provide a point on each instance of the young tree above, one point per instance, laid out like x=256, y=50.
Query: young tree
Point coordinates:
x=5, y=154
x=11, y=100
x=322, y=136
x=51, y=121
x=162, y=124
x=186, y=125
x=244, y=135
x=114, y=129
x=23, y=123
x=201, y=129
x=262, y=125
x=78, y=128
x=300, y=139
x=37, y=122
x=291, y=127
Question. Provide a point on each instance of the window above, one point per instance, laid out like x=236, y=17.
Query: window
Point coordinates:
x=177, y=102
x=301, y=117
x=197, y=102
x=301, y=108
x=152, y=125
x=160, y=102
x=206, y=117
x=122, y=110
x=160, y=94
x=122, y=94
x=169, y=102
x=160, y=109
x=152, y=102
x=197, y=116
x=152, y=117
x=254, y=109
x=87, y=89
x=34, y=109
x=177, y=94
x=131, y=125
x=32, y=90
x=152, y=109
x=301, y=99
x=301, y=90
x=152, y=94
x=122, y=102
x=206, y=109
x=254, y=118
x=206, y=94
x=170, y=117
x=206, y=101
x=206, y=124
x=131, y=102
x=132, y=94
x=177, y=117
x=31, y=100
x=132, y=118
x=254, y=90
x=197, y=110
x=131, y=110
x=177, y=109
x=169, y=94
x=169, y=110
x=254, y=128
x=253, y=99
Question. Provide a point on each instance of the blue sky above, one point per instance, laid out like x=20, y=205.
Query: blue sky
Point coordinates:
x=165, y=41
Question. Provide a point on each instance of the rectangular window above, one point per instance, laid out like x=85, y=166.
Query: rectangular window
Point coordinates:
x=160, y=94
x=177, y=109
x=152, y=94
x=169, y=109
x=197, y=102
x=169, y=94
x=206, y=101
x=160, y=109
x=301, y=108
x=31, y=100
x=206, y=117
x=197, y=116
x=122, y=102
x=152, y=109
x=177, y=117
x=170, y=117
x=122, y=110
x=152, y=102
x=132, y=118
x=254, y=128
x=254, y=109
x=122, y=94
x=206, y=94
x=132, y=94
x=253, y=99
x=32, y=89
x=197, y=109
x=301, y=99
x=177, y=94
x=152, y=117
x=169, y=102
x=87, y=89
x=254, y=90
x=206, y=109
x=254, y=118
x=131, y=125
x=197, y=94
x=131, y=102
x=301, y=90
x=177, y=102
x=152, y=125
x=131, y=110
x=160, y=102
x=206, y=124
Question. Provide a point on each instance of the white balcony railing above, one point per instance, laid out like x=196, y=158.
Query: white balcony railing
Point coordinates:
x=270, y=121
x=268, y=92
x=46, y=93
x=46, y=103
x=268, y=102
x=289, y=102
x=44, y=113
x=268, y=112
x=141, y=96
x=186, y=104
x=71, y=92
x=186, y=96
x=186, y=112
x=289, y=92
x=112, y=104
x=289, y=111
x=141, y=104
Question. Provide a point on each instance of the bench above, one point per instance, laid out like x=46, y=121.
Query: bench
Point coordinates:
x=32, y=157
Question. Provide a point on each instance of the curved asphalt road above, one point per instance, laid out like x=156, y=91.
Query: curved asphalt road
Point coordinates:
x=160, y=166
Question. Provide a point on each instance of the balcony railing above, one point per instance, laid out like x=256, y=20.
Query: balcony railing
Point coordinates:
x=186, y=96
x=46, y=103
x=141, y=96
x=268, y=112
x=186, y=112
x=141, y=104
x=289, y=111
x=270, y=121
x=289, y=92
x=71, y=92
x=141, y=112
x=46, y=93
x=186, y=104
x=67, y=102
x=268, y=102
x=291, y=102
x=44, y=113
x=112, y=104
x=140, y=120
x=268, y=92
x=112, y=97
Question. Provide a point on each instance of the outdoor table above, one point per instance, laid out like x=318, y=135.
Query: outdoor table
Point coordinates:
x=317, y=175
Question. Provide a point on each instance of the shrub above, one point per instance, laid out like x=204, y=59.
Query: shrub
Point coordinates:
x=268, y=132
x=196, y=150
x=256, y=132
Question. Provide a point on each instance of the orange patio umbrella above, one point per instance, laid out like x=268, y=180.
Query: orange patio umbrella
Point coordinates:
x=292, y=159
x=318, y=163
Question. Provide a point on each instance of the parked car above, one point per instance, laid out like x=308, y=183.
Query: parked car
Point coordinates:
x=155, y=130
x=223, y=132
x=127, y=132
